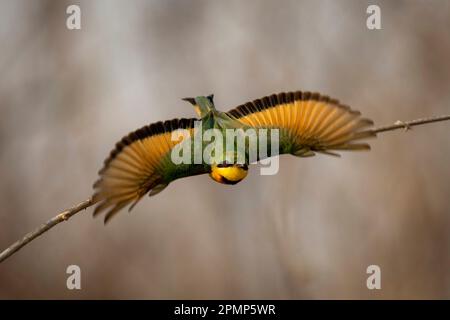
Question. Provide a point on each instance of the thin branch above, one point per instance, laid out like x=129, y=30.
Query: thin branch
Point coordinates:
x=63, y=216
x=408, y=124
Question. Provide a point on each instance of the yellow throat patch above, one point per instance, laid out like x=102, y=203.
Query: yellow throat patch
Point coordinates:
x=228, y=173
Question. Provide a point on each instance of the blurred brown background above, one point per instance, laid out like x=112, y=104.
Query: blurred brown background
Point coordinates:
x=309, y=232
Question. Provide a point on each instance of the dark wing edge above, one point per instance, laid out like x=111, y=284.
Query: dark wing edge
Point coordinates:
x=135, y=167
x=310, y=122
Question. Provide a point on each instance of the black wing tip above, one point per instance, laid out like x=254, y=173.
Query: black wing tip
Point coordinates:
x=276, y=99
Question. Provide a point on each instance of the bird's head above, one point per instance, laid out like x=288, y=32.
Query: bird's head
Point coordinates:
x=226, y=168
x=202, y=104
x=228, y=173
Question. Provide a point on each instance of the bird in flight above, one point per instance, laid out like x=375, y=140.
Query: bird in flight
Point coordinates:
x=143, y=162
x=307, y=123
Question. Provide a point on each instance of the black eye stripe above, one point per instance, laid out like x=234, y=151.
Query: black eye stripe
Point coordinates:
x=224, y=165
x=227, y=165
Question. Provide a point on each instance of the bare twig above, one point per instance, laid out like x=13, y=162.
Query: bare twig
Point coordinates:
x=63, y=216
x=408, y=124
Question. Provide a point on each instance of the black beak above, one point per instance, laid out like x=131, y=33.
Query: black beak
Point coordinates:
x=190, y=100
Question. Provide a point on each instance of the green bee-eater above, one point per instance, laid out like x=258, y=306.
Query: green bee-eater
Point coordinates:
x=307, y=123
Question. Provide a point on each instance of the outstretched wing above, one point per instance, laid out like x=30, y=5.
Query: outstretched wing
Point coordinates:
x=307, y=122
x=141, y=163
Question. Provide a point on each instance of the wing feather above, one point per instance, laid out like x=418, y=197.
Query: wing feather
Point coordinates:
x=310, y=121
x=139, y=164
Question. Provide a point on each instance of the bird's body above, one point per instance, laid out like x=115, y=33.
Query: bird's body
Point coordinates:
x=306, y=122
